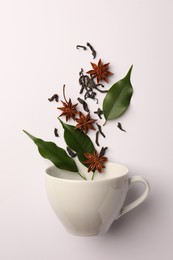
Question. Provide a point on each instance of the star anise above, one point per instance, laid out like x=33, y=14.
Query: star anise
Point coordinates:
x=100, y=71
x=95, y=161
x=69, y=110
x=85, y=122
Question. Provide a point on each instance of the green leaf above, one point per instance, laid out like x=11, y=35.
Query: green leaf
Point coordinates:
x=55, y=154
x=118, y=98
x=77, y=141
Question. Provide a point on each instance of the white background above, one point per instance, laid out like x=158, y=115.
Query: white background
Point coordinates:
x=37, y=56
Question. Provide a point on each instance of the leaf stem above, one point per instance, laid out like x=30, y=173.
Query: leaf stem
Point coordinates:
x=93, y=176
x=83, y=177
x=64, y=93
x=105, y=123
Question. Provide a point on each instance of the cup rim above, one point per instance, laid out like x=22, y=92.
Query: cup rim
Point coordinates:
x=125, y=173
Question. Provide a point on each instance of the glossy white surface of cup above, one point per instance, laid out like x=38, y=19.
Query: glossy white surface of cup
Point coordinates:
x=88, y=208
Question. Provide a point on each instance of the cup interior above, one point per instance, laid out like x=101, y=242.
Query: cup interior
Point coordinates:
x=111, y=171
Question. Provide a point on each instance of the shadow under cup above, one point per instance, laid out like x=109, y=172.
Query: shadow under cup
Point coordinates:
x=88, y=208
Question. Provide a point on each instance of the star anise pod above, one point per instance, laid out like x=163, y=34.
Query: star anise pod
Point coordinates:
x=69, y=110
x=100, y=71
x=95, y=161
x=85, y=122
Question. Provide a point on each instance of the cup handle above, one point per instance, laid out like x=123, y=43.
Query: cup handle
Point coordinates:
x=139, y=200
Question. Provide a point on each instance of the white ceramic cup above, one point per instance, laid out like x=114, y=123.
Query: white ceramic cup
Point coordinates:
x=88, y=208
